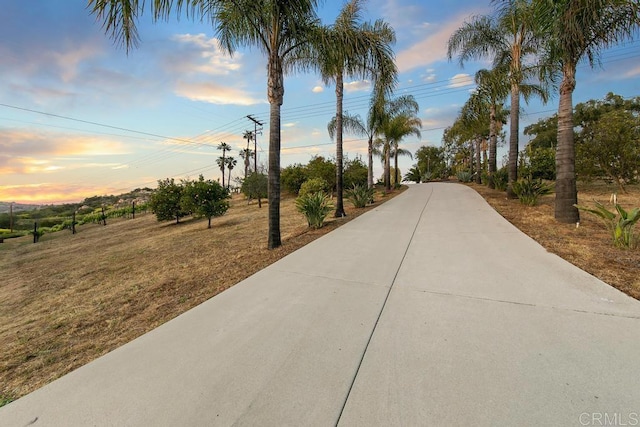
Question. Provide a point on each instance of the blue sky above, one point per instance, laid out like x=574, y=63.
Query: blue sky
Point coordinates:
x=161, y=110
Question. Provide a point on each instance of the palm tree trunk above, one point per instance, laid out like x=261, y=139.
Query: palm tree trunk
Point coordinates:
x=229, y=180
x=275, y=94
x=339, y=95
x=387, y=167
x=514, y=128
x=395, y=167
x=493, y=146
x=566, y=191
x=370, y=171
x=478, y=161
x=222, y=167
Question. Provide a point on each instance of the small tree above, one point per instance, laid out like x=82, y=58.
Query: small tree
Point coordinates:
x=319, y=167
x=206, y=199
x=255, y=187
x=355, y=173
x=292, y=177
x=165, y=201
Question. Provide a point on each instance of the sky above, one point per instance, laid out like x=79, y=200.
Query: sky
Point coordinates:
x=79, y=116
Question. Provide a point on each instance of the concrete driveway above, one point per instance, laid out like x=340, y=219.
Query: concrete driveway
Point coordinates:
x=430, y=310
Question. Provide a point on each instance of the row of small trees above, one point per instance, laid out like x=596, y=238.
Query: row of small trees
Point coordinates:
x=325, y=170
x=201, y=198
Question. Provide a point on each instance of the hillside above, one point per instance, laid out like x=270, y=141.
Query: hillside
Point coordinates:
x=71, y=298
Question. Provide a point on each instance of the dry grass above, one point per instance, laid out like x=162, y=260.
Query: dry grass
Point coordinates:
x=587, y=246
x=72, y=298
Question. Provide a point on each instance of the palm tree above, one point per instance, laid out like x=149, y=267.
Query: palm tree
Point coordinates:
x=575, y=29
x=282, y=30
x=397, y=151
x=348, y=49
x=224, y=147
x=221, y=162
x=246, y=154
x=355, y=125
x=507, y=38
x=492, y=89
x=231, y=163
x=397, y=119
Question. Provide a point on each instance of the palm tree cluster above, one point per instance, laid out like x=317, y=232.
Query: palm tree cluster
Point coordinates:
x=532, y=44
x=290, y=35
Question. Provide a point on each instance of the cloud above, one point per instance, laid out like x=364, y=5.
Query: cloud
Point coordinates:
x=634, y=72
x=29, y=152
x=460, y=80
x=317, y=89
x=197, y=54
x=432, y=48
x=214, y=93
x=357, y=86
x=54, y=193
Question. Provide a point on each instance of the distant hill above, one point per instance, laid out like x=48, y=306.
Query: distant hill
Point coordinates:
x=139, y=194
x=17, y=207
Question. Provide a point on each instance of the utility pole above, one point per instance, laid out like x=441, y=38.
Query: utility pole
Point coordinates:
x=256, y=123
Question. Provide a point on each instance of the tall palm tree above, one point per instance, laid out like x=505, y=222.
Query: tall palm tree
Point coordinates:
x=492, y=89
x=351, y=48
x=396, y=152
x=575, y=29
x=231, y=163
x=224, y=147
x=220, y=161
x=248, y=135
x=400, y=120
x=246, y=154
x=509, y=38
x=282, y=30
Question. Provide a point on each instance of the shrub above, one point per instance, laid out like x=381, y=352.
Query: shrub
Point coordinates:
x=501, y=179
x=528, y=190
x=315, y=207
x=621, y=227
x=464, y=176
x=360, y=195
x=314, y=185
x=292, y=177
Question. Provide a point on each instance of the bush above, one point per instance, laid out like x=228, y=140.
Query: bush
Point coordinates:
x=621, y=227
x=464, y=176
x=528, y=190
x=314, y=185
x=292, y=177
x=255, y=186
x=315, y=207
x=355, y=173
x=360, y=195
x=501, y=179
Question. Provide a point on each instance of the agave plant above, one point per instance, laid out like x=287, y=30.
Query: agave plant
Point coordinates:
x=464, y=176
x=529, y=190
x=360, y=195
x=621, y=225
x=315, y=207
